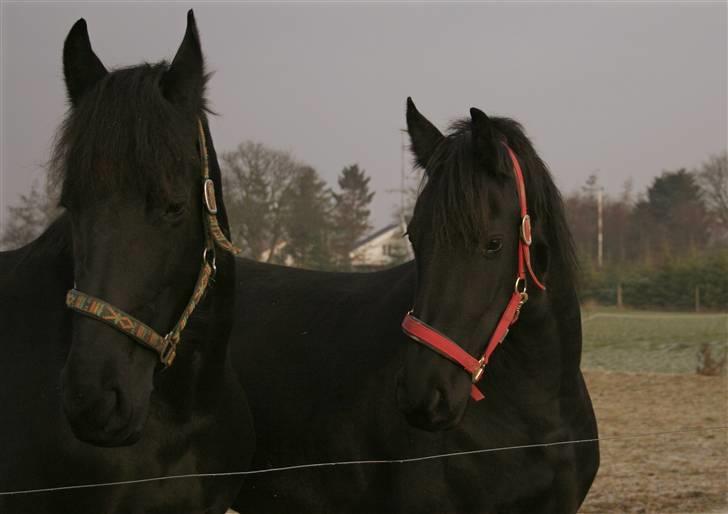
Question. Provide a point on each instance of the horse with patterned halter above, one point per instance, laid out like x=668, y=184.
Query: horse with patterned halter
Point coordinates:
x=82, y=403
x=166, y=346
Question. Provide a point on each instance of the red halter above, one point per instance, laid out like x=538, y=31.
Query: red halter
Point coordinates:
x=439, y=342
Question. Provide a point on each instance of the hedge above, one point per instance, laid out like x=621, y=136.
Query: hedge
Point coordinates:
x=669, y=286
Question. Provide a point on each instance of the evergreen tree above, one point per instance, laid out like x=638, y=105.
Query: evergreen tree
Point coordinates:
x=672, y=217
x=350, y=216
x=306, y=206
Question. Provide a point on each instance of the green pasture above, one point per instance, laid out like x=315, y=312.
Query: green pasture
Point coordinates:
x=645, y=341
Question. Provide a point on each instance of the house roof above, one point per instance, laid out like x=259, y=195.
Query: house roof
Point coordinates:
x=375, y=235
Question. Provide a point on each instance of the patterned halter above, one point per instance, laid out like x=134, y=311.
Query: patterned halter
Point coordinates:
x=166, y=346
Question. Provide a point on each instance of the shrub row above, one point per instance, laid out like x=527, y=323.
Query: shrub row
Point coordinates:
x=670, y=286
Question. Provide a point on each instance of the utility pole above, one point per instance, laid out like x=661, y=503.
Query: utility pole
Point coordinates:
x=402, y=190
x=594, y=188
x=600, y=228
x=403, y=148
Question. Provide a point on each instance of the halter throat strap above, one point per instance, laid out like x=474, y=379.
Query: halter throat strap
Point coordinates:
x=166, y=346
x=429, y=336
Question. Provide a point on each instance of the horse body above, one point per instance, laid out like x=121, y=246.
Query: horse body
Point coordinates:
x=56, y=364
x=39, y=449
x=198, y=422
x=322, y=382
x=331, y=377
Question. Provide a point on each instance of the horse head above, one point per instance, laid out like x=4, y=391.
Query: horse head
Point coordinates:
x=472, y=236
x=132, y=158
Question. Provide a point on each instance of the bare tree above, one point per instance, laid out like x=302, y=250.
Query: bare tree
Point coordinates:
x=33, y=213
x=713, y=179
x=256, y=178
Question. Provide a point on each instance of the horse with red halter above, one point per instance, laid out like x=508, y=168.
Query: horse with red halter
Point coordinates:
x=331, y=376
x=115, y=321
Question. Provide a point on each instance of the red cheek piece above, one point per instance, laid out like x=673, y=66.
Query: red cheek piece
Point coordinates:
x=423, y=333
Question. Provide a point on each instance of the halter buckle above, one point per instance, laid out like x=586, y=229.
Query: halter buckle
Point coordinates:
x=208, y=189
x=169, y=352
x=526, y=230
x=479, y=371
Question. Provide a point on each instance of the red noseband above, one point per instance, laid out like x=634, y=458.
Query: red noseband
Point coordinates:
x=439, y=342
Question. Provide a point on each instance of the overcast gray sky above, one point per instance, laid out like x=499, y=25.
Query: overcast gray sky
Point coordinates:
x=629, y=89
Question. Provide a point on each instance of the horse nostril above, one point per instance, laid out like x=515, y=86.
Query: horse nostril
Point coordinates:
x=435, y=401
x=98, y=411
x=439, y=406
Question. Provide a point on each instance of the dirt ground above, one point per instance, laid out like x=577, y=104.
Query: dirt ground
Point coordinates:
x=685, y=473
x=677, y=473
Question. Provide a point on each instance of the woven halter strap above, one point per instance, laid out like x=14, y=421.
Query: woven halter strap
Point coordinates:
x=423, y=333
x=166, y=346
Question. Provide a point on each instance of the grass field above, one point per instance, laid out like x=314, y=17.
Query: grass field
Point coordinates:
x=641, y=371
x=641, y=341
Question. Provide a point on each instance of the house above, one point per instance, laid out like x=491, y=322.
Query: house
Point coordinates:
x=277, y=252
x=386, y=247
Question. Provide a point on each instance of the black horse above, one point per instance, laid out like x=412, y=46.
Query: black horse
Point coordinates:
x=131, y=160
x=331, y=373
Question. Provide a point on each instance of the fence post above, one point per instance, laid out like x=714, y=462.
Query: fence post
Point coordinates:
x=697, y=298
x=619, y=295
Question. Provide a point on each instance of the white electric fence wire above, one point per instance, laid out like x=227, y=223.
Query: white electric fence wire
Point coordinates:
x=357, y=462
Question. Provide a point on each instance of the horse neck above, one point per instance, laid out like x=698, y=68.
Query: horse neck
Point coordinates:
x=200, y=370
x=198, y=375
x=543, y=348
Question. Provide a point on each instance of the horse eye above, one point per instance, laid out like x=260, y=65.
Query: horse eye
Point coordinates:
x=494, y=246
x=174, y=210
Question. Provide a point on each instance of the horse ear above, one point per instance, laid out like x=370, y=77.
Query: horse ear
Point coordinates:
x=424, y=136
x=184, y=81
x=484, y=144
x=82, y=69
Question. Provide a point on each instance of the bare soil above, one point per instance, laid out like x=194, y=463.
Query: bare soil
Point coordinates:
x=685, y=472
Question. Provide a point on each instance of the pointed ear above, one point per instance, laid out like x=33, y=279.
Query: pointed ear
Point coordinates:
x=424, y=136
x=484, y=143
x=183, y=83
x=81, y=68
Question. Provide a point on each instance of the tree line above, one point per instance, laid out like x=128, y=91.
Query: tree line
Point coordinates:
x=282, y=211
x=660, y=247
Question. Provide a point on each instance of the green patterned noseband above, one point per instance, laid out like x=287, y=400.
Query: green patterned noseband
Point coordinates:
x=166, y=346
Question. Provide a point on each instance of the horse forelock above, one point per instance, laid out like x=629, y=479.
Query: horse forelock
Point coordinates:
x=457, y=196
x=125, y=136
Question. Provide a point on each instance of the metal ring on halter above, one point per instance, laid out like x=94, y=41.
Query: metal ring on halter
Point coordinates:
x=520, y=281
x=205, y=253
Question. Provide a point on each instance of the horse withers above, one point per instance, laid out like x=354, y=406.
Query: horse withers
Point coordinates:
x=115, y=321
x=331, y=376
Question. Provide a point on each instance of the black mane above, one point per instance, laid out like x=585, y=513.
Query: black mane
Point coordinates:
x=460, y=195
x=126, y=135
